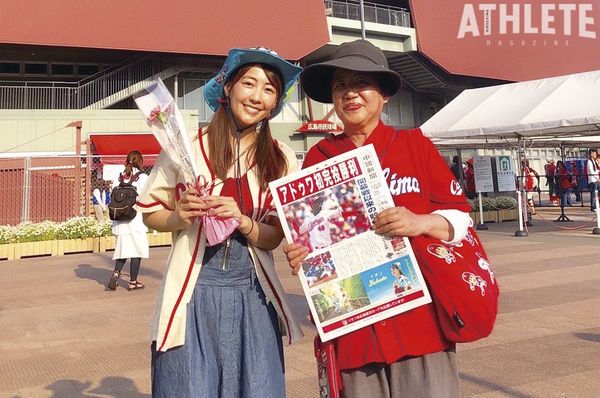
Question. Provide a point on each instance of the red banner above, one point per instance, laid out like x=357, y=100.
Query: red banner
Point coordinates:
x=322, y=179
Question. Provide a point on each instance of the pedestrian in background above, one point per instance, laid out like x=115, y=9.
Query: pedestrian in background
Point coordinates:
x=549, y=171
x=593, y=178
x=100, y=200
x=457, y=170
x=132, y=241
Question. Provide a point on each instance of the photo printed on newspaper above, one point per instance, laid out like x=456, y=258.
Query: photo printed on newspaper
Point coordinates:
x=352, y=276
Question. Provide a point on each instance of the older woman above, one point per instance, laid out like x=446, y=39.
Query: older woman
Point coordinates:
x=405, y=355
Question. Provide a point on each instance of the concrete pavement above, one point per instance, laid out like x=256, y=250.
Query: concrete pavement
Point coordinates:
x=63, y=335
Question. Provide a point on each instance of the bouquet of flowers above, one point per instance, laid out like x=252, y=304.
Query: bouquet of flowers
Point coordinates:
x=164, y=118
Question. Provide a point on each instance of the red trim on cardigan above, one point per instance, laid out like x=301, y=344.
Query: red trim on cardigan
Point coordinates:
x=191, y=266
x=187, y=279
x=158, y=202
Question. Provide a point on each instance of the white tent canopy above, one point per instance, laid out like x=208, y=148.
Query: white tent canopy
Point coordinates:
x=561, y=106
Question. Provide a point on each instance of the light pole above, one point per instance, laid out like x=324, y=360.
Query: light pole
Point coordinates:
x=363, y=34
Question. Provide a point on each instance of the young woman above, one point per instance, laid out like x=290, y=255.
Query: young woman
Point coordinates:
x=222, y=309
x=405, y=355
x=132, y=242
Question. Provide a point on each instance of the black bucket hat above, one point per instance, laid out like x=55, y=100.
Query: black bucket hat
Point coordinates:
x=359, y=56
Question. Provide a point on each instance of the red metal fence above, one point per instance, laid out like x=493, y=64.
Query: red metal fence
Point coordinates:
x=55, y=188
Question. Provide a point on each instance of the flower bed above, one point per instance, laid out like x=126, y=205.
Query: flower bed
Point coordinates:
x=501, y=208
x=77, y=235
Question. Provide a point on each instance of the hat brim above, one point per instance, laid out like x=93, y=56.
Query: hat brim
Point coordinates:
x=237, y=57
x=317, y=79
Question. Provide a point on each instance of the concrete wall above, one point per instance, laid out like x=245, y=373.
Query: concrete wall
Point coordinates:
x=45, y=131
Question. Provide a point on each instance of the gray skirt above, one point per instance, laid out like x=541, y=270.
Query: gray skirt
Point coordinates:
x=233, y=346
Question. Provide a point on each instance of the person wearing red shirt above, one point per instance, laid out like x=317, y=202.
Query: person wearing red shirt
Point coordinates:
x=470, y=180
x=564, y=183
x=407, y=354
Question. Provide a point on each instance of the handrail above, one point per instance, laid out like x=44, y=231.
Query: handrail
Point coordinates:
x=107, y=87
x=376, y=13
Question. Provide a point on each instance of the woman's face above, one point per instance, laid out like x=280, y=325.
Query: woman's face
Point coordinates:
x=252, y=97
x=357, y=99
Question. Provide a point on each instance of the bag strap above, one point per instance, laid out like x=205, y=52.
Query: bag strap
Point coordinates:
x=133, y=179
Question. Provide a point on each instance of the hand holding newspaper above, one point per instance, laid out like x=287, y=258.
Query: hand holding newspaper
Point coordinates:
x=352, y=277
x=164, y=118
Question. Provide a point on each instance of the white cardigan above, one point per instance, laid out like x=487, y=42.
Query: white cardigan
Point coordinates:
x=185, y=260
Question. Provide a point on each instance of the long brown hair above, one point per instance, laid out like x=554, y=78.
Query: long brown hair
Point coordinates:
x=134, y=159
x=270, y=160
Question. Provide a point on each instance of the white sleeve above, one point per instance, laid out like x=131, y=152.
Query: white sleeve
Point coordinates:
x=590, y=168
x=96, y=195
x=460, y=222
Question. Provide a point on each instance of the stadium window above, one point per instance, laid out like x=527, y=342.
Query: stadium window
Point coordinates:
x=87, y=69
x=36, y=69
x=62, y=69
x=10, y=67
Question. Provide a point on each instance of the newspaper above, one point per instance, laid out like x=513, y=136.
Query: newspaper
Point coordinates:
x=352, y=276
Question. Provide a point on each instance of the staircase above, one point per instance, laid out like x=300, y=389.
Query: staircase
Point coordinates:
x=96, y=92
x=415, y=73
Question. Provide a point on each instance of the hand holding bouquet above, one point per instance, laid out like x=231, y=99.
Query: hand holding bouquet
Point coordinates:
x=165, y=120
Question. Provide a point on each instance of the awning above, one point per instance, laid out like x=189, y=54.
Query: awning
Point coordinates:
x=564, y=106
x=113, y=147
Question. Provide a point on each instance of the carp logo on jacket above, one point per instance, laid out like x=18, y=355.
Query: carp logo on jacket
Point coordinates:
x=441, y=251
x=400, y=185
x=485, y=265
x=455, y=188
x=474, y=281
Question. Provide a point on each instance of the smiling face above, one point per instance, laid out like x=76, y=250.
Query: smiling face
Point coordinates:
x=253, y=95
x=358, y=100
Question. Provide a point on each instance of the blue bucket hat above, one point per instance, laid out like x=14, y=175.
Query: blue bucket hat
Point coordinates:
x=213, y=90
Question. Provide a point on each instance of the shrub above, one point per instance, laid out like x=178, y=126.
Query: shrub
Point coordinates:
x=75, y=228
x=488, y=204
x=506, y=202
x=473, y=204
x=78, y=228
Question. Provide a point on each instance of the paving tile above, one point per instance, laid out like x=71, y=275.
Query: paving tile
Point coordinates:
x=63, y=335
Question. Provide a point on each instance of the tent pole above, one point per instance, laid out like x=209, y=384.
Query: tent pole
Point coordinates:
x=520, y=233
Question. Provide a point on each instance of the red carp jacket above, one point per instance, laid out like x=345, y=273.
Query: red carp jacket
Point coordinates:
x=420, y=180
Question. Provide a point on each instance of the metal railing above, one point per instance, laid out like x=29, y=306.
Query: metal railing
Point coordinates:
x=105, y=89
x=376, y=13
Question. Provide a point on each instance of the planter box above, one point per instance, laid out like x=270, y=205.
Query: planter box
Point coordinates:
x=106, y=243
x=7, y=251
x=508, y=215
x=488, y=216
x=15, y=251
x=65, y=246
x=27, y=249
x=159, y=239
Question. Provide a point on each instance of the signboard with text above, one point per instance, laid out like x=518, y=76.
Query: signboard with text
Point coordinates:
x=484, y=181
x=505, y=173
